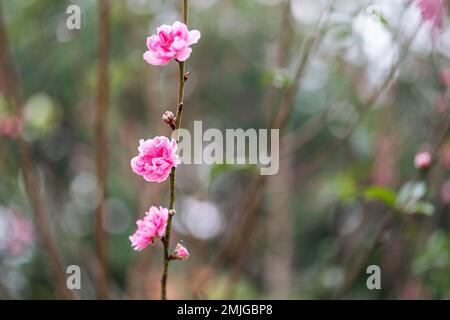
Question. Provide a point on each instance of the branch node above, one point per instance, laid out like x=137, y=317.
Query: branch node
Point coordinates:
x=186, y=76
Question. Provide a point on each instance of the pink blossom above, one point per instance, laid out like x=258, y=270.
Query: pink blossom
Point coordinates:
x=180, y=252
x=19, y=235
x=422, y=160
x=156, y=158
x=151, y=227
x=10, y=126
x=170, y=42
x=433, y=11
x=445, y=77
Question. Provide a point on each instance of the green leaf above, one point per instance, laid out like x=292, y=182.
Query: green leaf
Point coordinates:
x=385, y=195
x=408, y=199
x=217, y=169
x=384, y=21
x=423, y=207
x=410, y=194
x=279, y=78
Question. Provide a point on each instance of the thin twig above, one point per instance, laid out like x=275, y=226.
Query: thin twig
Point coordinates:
x=12, y=89
x=166, y=240
x=360, y=263
x=236, y=245
x=287, y=101
x=363, y=259
x=298, y=137
x=101, y=142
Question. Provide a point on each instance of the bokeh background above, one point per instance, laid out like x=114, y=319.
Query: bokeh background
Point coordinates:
x=359, y=89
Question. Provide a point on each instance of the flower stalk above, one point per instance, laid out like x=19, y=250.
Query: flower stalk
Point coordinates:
x=158, y=157
x=182, y=78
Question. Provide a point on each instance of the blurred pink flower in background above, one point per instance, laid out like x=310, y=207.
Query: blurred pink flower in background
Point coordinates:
x=180, y=252
x=445, y=192
x=170, y=42
x=152, y=226
x=19, y=235
x=422, y=160
x=433, y=11
x=10, y=126
x=444, y=74
x=156, y=158
x=441, y=102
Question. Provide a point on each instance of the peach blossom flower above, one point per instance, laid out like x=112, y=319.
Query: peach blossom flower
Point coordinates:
x=170, y=42
x=10, y=126
x=156, y=158
x=151, y=227
x=433, y=11
x=444, y=74
x=422, y=160
x=180, y=252
x=20, y=234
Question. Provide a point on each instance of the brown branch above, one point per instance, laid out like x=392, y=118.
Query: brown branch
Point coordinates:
x=237, y=243
x=364, y=258
x=12, y=86
x=182, y=78
x=297, y=138
x=101, y=143
x=287, y=101
x=242, y=236
x=362, y=261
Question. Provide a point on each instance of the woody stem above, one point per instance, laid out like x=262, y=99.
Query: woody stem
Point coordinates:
x=166, y=239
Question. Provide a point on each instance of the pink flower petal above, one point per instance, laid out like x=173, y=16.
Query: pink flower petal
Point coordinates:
x=152, y=59
x=184, y=54
x=194, y=36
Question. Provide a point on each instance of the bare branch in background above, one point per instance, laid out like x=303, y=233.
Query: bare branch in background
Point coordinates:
x=237, y=243
x=300, y=136
x=12, y=86
x=101, y=143
x=361, y=262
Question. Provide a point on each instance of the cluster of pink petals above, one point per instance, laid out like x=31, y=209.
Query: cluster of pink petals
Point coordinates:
x=180, y=252
x=151, y=227
x=433, y=11
x=170, y=42
x=10, y=126
x=422, y=160
x=156, y=158
x=20, y=234
x=445, y=77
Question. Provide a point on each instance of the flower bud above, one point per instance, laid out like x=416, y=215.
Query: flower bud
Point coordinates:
x=422, y=160
x=169, y=118
x=180, y=252
x=186, y=76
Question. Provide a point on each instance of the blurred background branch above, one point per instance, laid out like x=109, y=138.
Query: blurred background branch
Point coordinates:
x=12, y=90
x=358, y=89
x=101, y=143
